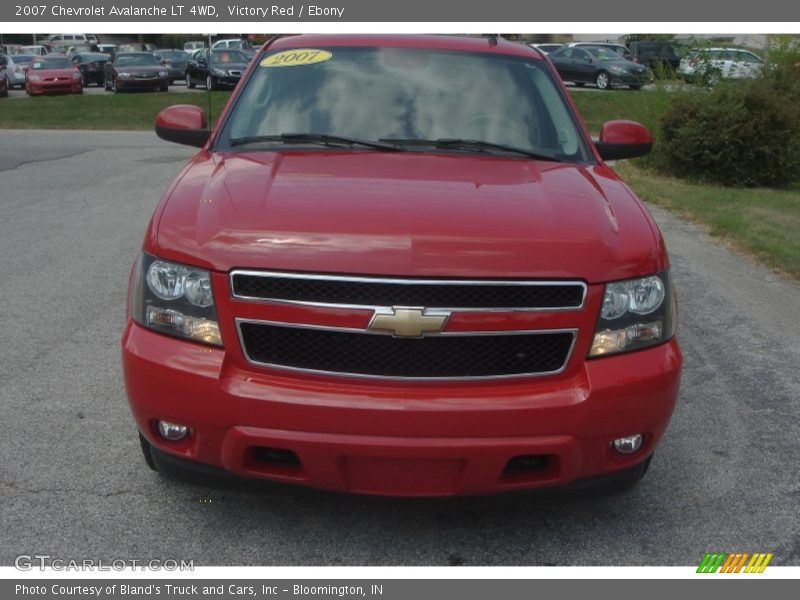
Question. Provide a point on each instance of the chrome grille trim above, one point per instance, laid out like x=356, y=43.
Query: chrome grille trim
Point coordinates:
x=405, y=281
x=511, y=332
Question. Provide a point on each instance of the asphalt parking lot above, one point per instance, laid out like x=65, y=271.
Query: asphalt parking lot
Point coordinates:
x=74, y=206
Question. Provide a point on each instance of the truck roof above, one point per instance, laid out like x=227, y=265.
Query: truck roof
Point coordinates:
x=436, y=42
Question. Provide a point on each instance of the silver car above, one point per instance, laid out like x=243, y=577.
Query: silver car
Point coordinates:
x=15, y=66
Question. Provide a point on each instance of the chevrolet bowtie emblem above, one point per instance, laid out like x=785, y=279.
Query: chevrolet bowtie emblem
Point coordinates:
x=408, y=322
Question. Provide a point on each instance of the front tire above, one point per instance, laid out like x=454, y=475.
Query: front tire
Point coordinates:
x=189, y=82
x=209, y=83
x=147, y=452
x=602, y=81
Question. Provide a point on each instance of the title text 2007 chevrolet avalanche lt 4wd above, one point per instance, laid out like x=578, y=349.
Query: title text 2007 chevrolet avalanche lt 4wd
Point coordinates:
x=399, y=265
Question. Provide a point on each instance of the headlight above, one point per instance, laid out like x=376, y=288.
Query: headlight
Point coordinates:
x=34, y=77
x=175, y=299
x=163, y=74
x=220, y=72
x=76, y=75
x=123, y=75
x=635, y=314
x=615, y=68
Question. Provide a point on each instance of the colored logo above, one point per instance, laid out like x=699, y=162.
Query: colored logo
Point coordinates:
x=408, y=322
x=738, y=562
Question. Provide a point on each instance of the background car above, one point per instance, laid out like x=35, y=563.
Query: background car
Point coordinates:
x=37, y=50
x=137, y=48
x=216, y=69
x=546, y=48
x=16, y=65
x=92, y=66
x=194, y=45
x=655, y=55
x=232, y=43
x=175, y=62
x=53, y=74
x=135, y=71
x=720, y=63
x=70, y=38
x=600, y=66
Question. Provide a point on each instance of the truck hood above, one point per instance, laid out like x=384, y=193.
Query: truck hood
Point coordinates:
x=405, y=214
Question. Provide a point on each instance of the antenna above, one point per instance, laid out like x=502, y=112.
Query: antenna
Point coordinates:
x=208, y=78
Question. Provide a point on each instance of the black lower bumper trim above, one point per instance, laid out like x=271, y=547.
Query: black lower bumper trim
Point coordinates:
x=201, y=473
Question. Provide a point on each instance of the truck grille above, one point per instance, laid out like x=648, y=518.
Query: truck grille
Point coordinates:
x=481, y=294
x=370, y=354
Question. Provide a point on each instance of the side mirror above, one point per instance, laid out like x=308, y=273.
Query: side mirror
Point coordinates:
x=623, y=139
x=183, y=124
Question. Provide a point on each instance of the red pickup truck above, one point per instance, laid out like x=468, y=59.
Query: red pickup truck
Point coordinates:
x=400, y=265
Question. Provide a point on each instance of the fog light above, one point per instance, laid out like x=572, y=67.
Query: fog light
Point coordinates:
x=628, y=445
x=172, y=431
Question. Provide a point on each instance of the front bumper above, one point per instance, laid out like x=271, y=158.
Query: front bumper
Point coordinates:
x=154, y=83
x=74, y=86
x=630, y=78
x=408, y=439
x=230, y=81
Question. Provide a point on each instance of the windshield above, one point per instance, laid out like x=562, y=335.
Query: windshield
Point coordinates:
x=135, y=60
x=23, y=59
x=51, y=63
x=93, y=57
x=407, y=94
x=174, y=54
x=229, y=56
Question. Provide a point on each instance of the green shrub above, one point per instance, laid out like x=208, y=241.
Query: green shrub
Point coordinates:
x=743, y=133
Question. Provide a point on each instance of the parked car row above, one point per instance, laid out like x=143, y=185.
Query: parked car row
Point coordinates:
x=607, y=64
x=122, y=71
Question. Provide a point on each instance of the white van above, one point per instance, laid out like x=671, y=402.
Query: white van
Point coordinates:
x=72, y=39
x=37, y=50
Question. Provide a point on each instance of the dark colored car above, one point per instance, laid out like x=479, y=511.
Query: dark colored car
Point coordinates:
x=600, y=66
x=175, y=61
x=655, y=55
x=92, y=66
x=135, y=71
x=399, y=265
x=53, y=74
x=216, y=69
x=3, y=83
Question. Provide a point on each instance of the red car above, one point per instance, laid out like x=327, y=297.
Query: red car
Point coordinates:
x=399, y=265
x=52, y=74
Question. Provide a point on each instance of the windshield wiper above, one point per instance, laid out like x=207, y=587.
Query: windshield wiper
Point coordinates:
x=316, y=138
x=456, y=143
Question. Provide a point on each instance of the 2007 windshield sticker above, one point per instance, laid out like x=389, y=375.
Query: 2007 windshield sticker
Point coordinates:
x=296, y=58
